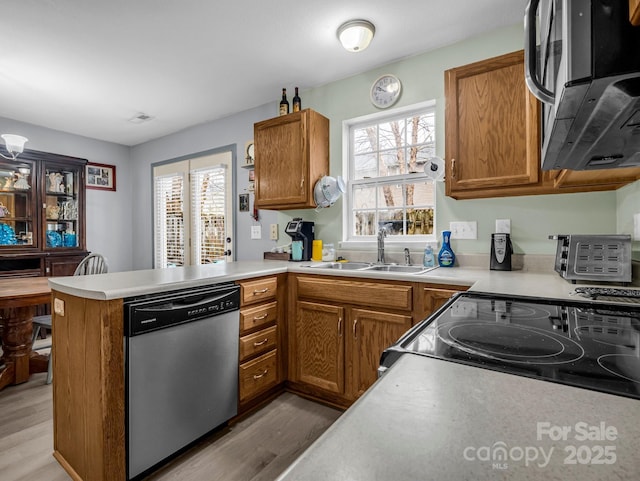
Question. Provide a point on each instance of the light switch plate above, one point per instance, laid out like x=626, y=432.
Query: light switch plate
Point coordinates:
x=256, y=232
x=274, y=232
x=503, y=226
x=464, y=230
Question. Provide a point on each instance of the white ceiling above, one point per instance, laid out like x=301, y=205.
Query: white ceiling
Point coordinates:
x=87, y=66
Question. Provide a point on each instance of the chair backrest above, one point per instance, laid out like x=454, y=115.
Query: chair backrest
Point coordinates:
x=92, y=264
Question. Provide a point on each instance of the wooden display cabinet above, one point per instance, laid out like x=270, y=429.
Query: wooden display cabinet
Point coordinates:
x=42, y=224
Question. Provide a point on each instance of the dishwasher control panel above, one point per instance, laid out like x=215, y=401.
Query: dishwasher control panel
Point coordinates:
x=150, y=313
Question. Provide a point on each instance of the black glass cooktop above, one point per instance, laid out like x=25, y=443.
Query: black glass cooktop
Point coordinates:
x=589, y=345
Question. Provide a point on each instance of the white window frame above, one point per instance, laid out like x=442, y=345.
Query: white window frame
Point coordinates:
x=366, y=242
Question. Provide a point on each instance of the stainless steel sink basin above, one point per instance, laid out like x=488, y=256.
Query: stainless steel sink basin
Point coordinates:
x=399, y=268
x=366, y=266
x=343, y=265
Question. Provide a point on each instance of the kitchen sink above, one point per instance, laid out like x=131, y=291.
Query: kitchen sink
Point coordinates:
x=399, y=268
x=367, y=266
x=343, y=265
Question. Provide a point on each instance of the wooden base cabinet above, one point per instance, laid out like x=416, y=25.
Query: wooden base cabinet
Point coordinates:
x=337, y=334
x=261, y=333
x=319, y=346
x=371, y=333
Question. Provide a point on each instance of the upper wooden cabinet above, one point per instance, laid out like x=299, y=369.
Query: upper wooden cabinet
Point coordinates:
x=291, y=155
x=492, y=129
x=634, y=12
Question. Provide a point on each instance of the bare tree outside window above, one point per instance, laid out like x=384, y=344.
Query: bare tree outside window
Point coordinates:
x=388, y=187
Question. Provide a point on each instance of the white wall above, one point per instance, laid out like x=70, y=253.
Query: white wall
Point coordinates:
x=109, y=214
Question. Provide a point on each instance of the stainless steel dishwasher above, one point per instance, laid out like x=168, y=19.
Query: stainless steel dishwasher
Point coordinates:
x=181, y=370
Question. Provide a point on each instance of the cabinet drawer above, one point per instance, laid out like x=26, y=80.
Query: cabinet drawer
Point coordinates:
x=259, y=316
x=259, y=342
x=258, y=290
x=258, y=375
x=385, y=295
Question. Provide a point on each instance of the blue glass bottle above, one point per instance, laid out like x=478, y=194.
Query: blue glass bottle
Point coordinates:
x=446, y=257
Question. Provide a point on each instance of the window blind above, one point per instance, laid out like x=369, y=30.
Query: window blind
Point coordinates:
x=169, y=220
x=208, y=218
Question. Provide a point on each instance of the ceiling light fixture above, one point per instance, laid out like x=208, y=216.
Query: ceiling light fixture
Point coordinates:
x=356, y=35
x=14, y=145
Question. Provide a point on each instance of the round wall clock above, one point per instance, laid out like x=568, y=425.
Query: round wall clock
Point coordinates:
x=385, y=91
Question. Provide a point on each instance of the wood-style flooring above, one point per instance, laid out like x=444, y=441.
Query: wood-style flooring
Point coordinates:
x=257, y=448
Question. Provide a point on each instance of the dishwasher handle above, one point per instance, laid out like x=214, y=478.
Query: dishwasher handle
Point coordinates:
x=174, y=306
x=152, y=314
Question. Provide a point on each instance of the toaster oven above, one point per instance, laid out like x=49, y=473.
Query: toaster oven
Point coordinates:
x=603, y=258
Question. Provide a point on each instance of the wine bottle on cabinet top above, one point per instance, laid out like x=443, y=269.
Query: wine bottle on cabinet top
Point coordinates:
x=284, y=103
x=297, y=103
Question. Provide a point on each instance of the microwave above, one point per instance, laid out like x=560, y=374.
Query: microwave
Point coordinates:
x=582, y=62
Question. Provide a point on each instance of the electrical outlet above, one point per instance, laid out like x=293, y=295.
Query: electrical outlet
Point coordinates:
x=503, y=226
x=274, y=232
x=636, y=227
x=464, y=230
x=256, y=232
x=466, y=309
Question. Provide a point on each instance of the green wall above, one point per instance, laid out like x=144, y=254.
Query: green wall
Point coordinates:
x=533, y=218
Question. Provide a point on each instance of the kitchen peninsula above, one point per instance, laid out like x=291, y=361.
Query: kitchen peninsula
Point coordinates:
x=89, y=392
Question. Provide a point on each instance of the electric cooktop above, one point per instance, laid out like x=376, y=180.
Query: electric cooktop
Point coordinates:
x=585, y=344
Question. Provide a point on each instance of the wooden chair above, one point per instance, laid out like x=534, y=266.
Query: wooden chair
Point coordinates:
x=92, y=264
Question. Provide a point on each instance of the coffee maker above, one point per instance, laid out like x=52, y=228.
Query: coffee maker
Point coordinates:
x=302, y=230
x=501, y=250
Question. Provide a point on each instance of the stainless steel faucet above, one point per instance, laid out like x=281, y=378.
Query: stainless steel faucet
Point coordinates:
x=407, y=257
x=381, y=235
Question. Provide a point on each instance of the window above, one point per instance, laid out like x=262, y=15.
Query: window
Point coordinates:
x=387, y=187
x=192, y=211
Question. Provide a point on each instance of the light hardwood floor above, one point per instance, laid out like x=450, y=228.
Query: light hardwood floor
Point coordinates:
x=257, y=448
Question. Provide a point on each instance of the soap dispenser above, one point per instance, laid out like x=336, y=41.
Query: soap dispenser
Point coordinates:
x=446, y=257
x=428, y=260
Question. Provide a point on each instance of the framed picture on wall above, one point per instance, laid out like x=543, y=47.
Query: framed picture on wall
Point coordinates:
x=100, y=176
x=244, y=202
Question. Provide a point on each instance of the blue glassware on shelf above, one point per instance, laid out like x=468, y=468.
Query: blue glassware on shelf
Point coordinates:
x=54, y=239
x=69, y=240
x=7, y=235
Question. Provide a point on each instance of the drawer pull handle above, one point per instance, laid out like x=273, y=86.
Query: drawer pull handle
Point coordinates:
x=453, y=168
x=261, y=343
x=355, y=329
x=261, y=291
x=258, y=376
x=263, y=316
x=340, y=327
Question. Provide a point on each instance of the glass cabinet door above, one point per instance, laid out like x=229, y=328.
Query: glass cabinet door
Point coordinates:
x=17, y=196
x=61, y=204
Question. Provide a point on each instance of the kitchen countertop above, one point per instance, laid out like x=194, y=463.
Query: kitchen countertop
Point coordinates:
x=119, y=285
x=430, y=419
